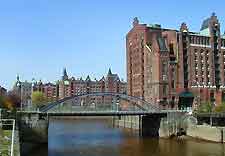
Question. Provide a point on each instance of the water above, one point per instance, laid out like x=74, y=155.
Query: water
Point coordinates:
x=97, y=137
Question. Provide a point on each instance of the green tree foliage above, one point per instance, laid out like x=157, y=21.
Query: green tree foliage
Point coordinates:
x=14, y=99
x=38, y=98
x=206, y=107
x=220, y=108
x=10, y=102
x=2, y=101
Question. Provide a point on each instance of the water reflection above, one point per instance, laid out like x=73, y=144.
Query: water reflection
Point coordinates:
x=97, y=137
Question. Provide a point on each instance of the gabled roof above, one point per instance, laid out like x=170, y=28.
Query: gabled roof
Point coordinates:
x=49, y=84
x=109, y=72
x=102, y=79
x=88, y=78
x=40, y=82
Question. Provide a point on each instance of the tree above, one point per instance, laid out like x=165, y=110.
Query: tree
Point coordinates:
x=220, y=108
x=2, y=101
x=38, y=99
x=14, y=99
x=205, y=107
x=10, y=102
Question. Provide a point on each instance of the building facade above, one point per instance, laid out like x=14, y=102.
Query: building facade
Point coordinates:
x=67, y=87
x=176, y=68
x=70, y=87
x=24, y=91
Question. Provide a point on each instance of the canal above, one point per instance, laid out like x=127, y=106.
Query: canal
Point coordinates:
x=97, y=137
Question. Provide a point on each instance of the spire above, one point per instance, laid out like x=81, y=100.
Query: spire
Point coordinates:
x=18, y=77
x=17, y=83
x=88, y=78
x=213, y=14
x=183, y=27
x=109, y=72
x=65, y=76
x=135, y=21
x=64, y=72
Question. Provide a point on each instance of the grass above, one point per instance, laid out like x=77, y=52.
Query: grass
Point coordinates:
x=5, y=143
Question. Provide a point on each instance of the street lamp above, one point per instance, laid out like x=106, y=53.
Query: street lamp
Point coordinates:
x=21, y=98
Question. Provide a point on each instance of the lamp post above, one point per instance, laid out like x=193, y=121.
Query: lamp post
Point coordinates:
x=21, y=98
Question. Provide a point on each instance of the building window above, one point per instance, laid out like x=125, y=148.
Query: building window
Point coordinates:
x=212, y=97
x=201, y=40
x=202, y=52
x=173, y=102
x=204, y=41
x=196, y=57
x=164, y=90
x=164, y=68
x=172, y=84
x=171, y=49
x=191, y=39
x=207, y=41
x=198, y=40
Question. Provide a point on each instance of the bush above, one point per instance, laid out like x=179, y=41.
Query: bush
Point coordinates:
x=220, y=108
x=206, y=107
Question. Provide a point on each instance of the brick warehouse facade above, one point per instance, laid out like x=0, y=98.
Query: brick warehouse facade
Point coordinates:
x=111, y=83
x=70, y=86
x=176, y=68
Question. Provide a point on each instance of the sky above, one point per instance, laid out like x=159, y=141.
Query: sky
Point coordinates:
x=38, y=38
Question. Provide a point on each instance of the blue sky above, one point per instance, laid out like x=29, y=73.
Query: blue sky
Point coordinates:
x=40, y=37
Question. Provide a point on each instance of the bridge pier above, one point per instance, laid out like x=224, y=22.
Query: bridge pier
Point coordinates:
x=150, y=125
x=33, y=128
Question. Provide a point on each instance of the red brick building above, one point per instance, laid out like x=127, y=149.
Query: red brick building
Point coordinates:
x=67, y=87
x=49, y=89
x=71, y=86
x=176, y=68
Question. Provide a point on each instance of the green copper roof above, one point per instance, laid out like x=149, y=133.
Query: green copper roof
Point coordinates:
x=223, y=36
x=154, y=25
x=205, y=32
x=186, y=94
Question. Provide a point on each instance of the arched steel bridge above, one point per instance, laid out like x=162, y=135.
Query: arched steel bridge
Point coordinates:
x=100, y=103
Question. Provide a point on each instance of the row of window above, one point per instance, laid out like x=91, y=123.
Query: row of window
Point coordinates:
x=199, y=40
x=203, y=40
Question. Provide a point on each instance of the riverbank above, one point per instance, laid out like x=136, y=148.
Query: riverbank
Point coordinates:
x=207, y=133
x=5, y=139
x=199, y=132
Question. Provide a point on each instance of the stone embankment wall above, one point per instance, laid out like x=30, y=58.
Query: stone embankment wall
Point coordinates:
x=170, y=126
x=146, y=126
x=17, y=144
x=131, y=122
x=206, y=132
x=32, y=128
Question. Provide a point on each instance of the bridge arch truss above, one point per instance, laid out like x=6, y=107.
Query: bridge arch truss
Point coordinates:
x=100, y=102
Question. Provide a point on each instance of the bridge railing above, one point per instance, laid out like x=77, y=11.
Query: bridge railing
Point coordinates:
x=135, y=101
x=93, y=108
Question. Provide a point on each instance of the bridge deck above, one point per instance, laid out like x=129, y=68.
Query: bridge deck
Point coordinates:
x=93, y=113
